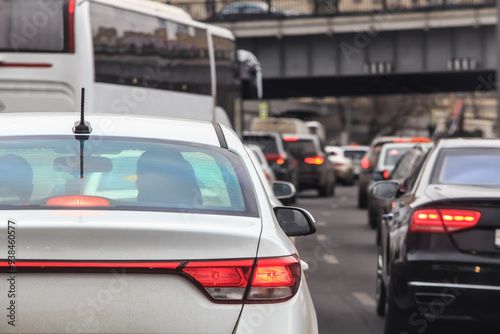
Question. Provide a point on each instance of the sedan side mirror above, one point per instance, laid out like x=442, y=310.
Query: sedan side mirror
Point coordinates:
x=386, y=190
x=295, y=221
x=283, y=190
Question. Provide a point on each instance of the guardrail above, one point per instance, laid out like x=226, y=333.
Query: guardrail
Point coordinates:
x=243, y=10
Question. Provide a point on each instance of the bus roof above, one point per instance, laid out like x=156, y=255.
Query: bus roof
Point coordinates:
x=153, y=7
x=147, y=6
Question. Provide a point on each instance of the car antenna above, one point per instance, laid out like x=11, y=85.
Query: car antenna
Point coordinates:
x=82, y=129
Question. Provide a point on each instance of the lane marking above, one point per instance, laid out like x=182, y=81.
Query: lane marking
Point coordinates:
x=330, y=259
x=321, y=237
x=364, y=299
x=321, y=223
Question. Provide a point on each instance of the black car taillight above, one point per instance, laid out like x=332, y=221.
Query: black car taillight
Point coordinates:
x=268, y=280
x=276, y=158
x=443, y=220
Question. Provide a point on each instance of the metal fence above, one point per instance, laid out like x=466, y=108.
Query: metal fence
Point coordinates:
x=225, y=10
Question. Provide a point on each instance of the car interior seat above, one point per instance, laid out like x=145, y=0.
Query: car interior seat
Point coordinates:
x=16, y=178
x=166, y=178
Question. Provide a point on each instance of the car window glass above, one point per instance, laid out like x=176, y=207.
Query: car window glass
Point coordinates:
x=467, y=167
x=301, y=148
x=125, y=174
x=267, y=144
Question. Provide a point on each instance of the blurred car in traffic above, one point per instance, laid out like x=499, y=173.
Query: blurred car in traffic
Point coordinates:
x=344, y=166
x=370, y=160
x=390, y=154
x=355, y=153
x=248, y=10
x=315, y=170
x=192, y=244
x=270, y=185
x=405, y=167
x=440, y=247
x=260, y=159
x=284, y=165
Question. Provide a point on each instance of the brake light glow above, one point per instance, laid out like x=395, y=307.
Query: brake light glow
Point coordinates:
x=277, y=158
x=385, y=174
x=365, y=163
x=71, y=26
x=78, y=201
x=291, y=138
x=317, y=160
x=400, y=140
x=273, y=280
x=420, y=140
x=443, y=220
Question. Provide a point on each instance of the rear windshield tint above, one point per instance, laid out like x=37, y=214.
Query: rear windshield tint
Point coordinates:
x=267, y=144
x=354, y=155
x=301, y=148
x=478, y=166
x=122, y=174
x=34, y=25
x=390, y=155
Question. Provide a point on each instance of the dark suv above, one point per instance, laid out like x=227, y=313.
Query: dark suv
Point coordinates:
x=284, y=165
x=315, y=170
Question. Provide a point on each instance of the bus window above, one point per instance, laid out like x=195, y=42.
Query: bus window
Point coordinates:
x=36, y=25
x=224, y=59
x=136, y=49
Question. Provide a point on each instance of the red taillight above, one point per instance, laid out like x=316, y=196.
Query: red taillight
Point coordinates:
x=365, y=163
x=317, y=160
x=291, y=138
x=385, y=174
x=78, y=201
x=420, y=140
x=273, y=280
x=71, y=26
x=400, y=140
x=278, y=158
x=443, y=220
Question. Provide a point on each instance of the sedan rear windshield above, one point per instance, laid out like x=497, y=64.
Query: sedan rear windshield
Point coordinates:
x=469, y=166
x=267, y=144
x=301, y=148
x=114, y=173
x=34, y=25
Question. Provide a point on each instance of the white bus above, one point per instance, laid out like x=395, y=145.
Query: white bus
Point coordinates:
x=132, y=56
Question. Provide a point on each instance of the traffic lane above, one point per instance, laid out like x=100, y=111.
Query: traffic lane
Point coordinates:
x=342, y=260
x=341, y=256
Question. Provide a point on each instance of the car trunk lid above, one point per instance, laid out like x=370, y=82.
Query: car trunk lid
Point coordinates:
x=102, y=271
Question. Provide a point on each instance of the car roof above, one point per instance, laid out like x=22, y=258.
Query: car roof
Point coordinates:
x=468, y=142
x=195, y=131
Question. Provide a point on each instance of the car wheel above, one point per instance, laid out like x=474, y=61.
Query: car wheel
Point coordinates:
x=380, y=295
x=372, y=219
x=399, y=320
x=323, y=191
x=380, y=291
x=362, y=200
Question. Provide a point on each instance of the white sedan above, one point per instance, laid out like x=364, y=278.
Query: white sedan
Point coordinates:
x=143, y=225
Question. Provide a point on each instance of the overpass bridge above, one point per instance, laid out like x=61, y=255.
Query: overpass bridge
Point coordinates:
x=397, y=47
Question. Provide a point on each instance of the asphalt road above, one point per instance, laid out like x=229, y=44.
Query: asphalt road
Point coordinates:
x=342, y=261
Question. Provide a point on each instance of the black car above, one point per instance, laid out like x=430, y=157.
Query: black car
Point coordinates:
x=315, y=170
x=404, y=167
x=440, y=245
x=284, y=165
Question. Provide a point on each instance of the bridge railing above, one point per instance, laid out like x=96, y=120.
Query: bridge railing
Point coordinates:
x=243, y=10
